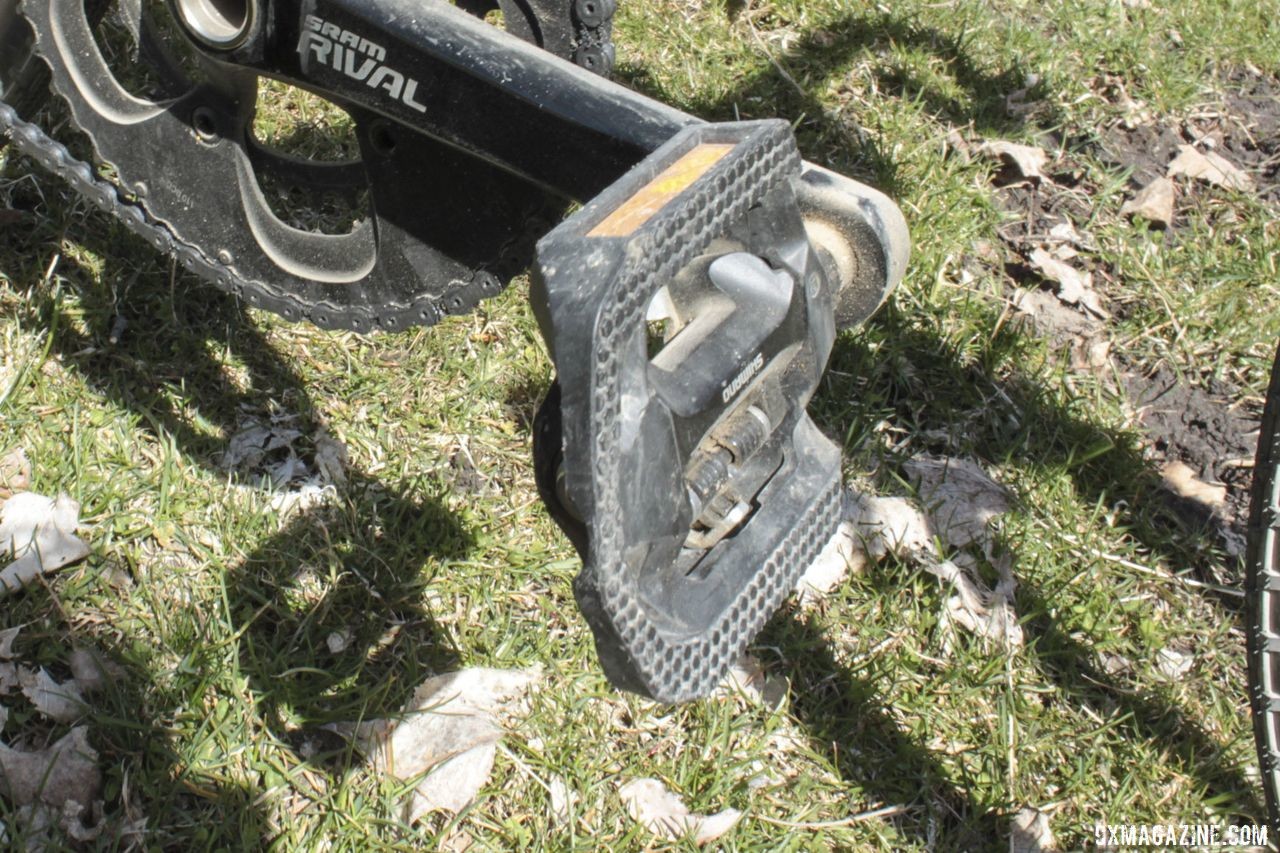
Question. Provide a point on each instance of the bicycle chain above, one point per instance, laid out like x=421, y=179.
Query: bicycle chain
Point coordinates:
x=426, y=310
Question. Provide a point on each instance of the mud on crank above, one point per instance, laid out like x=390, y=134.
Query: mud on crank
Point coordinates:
x=690, y=305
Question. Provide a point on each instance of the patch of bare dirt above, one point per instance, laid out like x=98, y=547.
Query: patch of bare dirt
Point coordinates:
x=1252, y=107
x=1147, y=149
x=1201, y=439
x=1207, y=430
x=1242, y=125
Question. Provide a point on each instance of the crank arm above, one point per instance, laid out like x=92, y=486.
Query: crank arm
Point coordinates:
x=424, y=68
x=433, y=68
x=690, y=317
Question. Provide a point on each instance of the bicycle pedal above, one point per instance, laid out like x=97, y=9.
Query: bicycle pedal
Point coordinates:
x=689, y=319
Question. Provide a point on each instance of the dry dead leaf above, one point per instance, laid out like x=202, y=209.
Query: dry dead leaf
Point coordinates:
x=748, y=678
x=1209, y=167
x=65, y=772
x=1092, y=353
x=1052, y=318
x=15, y=473
x=988, y=613
x=337, y=641
x=1180, y=478
x=307, y=496
x=1074, y=287
x=62, y=703
x=1174, y=663
x=40, y=534
x=664, y=814
x=449, y=732
x=1115, y=664
x=763, y=777
x=331, y=458
x=563, y=798
x=956, y=144
x=888, y=525
x=249, y=447
x=8, y=677
x=1066, y=235
x=1030, y=832
x=895, y=525
x=961, y=499
x=1026, y=160
x=91, y=671
x=7, y=636
x=838, y=559
x=1154, y=203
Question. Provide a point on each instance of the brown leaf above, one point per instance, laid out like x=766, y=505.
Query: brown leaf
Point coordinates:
x=1091, y=353
x=663, y=813
x=1209, y=167
x=65, y=772
x=1180, y=478
x=1154, y=203
x=563, y=798
x=1027, y=161
x=1174, y=663
x=987, y=612
x=1030, y=832
x=961, y=498
x=59, y=702
x=749, y=679
x=841, y=557
x=40, y=534
x=884, y=525
x=332, y=458
x=1074, y=287
x=7, y=636
x=91, y=671
x=449, y=733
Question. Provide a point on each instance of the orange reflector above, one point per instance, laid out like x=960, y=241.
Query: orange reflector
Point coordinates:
x=653, y=196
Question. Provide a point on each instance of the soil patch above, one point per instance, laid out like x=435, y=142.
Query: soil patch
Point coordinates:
x=1253, y=114
x=1243, y=126
x=1207, y=430
x=1147, y=149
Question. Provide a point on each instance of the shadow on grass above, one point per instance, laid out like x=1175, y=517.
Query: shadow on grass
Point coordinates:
x=850, y=719
x=818, y=55
x=926, y=387
x=326, y=615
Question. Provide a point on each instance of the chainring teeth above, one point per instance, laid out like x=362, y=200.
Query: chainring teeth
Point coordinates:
x=213, y=235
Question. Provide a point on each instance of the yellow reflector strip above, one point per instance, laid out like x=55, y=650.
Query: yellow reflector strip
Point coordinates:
x=653, y=196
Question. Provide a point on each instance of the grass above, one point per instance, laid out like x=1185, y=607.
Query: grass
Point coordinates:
x=218, y=607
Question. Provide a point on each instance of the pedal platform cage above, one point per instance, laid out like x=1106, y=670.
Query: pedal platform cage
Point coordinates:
x=689, y=320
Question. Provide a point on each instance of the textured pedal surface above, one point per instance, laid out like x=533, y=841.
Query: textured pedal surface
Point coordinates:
x=1263, y=598
x=627, y=429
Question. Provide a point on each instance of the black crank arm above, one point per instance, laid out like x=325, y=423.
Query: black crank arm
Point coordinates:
x=690, y=319
x=433, y=67
x=429, y=68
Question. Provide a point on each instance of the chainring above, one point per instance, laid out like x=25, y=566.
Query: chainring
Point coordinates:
x=436, y=230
